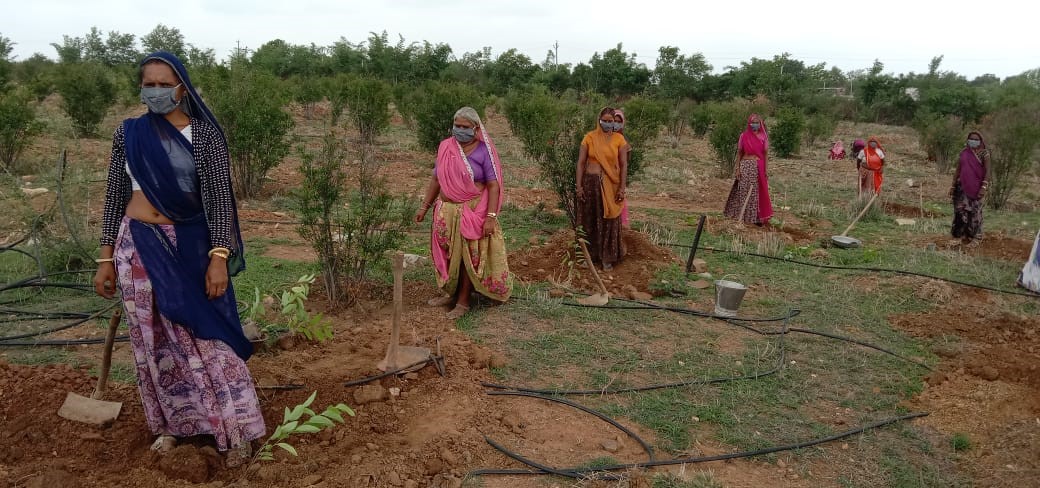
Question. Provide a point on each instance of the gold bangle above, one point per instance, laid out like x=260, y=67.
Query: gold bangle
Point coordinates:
x=221, y=255
x=219, y=251
x=104, y=260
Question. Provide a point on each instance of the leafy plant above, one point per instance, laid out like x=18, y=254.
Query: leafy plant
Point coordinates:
x=785, y=137
x=298, y=320
x=249, y=107
x=644, y=118
x=18, y=126
x=87, y=91
x=960, y=442
x=431, y=106
x=942, y=138
x=725, y=133
x=1014, y=135
x=292, y=424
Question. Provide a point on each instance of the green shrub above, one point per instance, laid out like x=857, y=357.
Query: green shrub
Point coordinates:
x=785, y=136
x=729, y=120
x=1013, y=135
x=960, y=442
x=551, y=128
x=18, y=127
x=432, y=105
x=249, y=106
x=87, y=92
x=819, y=126
x=942, y=139
x=644, y=118
x=369, y=102
x=701, y=117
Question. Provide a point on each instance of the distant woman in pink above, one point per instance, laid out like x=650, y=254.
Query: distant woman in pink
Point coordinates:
x=749, y=198
x=465, y=192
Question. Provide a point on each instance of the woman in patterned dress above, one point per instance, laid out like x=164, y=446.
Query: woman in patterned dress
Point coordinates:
x=749, y=196
x=970, y=182
x=465, y=192
x=600, y=186
x=170, y=239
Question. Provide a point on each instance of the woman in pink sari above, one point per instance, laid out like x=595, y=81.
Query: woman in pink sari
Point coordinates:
x=749, y=198
x=465, y=192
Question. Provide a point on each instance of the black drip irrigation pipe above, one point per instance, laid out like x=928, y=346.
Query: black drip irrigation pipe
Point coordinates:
x=646, y=447
x=3, y=340
x=862, y=268
x=402, y=369
x=584, y=472
x=68, y=342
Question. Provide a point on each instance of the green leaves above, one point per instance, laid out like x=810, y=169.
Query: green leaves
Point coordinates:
x=292, y=425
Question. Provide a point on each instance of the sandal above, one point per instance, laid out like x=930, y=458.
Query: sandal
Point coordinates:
x=238, y=455
x=440, y=301
x=458, y=312
x=164, y=444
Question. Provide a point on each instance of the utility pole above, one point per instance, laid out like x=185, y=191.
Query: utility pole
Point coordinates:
x=556, y=54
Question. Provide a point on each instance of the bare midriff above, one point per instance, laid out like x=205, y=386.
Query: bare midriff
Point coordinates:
x=141, y=209
x=592, y=168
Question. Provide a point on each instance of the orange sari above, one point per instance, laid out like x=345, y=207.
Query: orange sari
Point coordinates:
x=604, y=150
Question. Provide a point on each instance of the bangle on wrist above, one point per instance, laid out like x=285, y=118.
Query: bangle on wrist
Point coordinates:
x=105, y=260
x=222, y=252
x=492, y=215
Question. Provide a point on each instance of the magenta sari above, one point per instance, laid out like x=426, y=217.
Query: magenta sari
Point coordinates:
x=756, y=144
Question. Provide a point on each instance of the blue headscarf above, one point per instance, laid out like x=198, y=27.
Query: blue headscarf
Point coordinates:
x=161, y=160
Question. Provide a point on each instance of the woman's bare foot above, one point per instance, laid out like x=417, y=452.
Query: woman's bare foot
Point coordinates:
x=458, y=311
x=164, y=444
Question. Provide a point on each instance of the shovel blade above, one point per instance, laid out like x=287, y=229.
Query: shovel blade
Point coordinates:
x=597, y=300
x=405, y=355
x=79, y=408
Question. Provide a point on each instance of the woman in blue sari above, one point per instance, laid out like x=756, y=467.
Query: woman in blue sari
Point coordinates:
x=170, y=238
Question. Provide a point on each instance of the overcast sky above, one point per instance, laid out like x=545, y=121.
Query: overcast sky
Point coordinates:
x=997, y=36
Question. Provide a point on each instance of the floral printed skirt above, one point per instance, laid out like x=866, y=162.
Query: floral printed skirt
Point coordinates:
x=484, y=260
x=188, y=386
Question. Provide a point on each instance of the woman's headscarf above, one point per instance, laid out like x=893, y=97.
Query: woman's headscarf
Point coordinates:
x=193, y=104
x=618, y=113
x=455, y=176
x=858, y=145
x=982, y=140
x=752, y=142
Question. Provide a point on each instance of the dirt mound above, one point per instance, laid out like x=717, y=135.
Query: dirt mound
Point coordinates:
x=899, y=210
x=555, y=261
x=789, y=232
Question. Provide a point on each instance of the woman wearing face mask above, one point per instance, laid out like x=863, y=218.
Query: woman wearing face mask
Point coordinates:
x=600, y=186
x=970, y=182
x=465, y=192
x=871, y=163
x=619, y=127
x=170, y=238
x=749, y=196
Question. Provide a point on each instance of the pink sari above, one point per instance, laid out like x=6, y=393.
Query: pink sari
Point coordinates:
x=455, y=176
x=756, y=144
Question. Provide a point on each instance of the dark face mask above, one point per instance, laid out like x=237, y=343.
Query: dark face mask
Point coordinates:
x=755, y=126
x=159, y=99
x=606, y=126
x=463, y=135
x=873, y=145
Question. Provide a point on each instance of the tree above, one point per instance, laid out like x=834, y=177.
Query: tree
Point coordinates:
x=18, y=126
x=431, y=106
x=163, y=38
x=6, y=46
x=70, y=50
x=1013, y=136
x=249, y=107
x=510, y=69
x=87, y=92
x=677, y=76
x=644, y=118
x=617, y=73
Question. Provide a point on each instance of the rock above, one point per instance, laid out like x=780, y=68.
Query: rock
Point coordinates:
x=905, y=222
x=700, y=265
x=411, y=376
x=412, y=261
x=699, y=284
x=310, y=480
x=32, y=192
x=433, y=466
x=498, y=360
x=395, y=391
x=479, y=358
x=948, y=351
x=369, y=394
x=989, y=373
x=610, y=445
x=641, y=296
x=286, y=342
x=781, y=463
x=449, y=458
x=185, y=463
x=540, y=271
x=937, y=378
x=512, y=420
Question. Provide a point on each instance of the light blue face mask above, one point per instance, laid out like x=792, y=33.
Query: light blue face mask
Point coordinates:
x=974, y=143
x=159, y=99
x=463, y=135
x=618, y=126
x=606, y=126
x=755, y=126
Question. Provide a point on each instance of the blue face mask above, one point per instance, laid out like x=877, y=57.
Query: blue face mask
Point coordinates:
x=618, y=126
x=873, y=145
x=755, y=126
x=974, y=143
x=606, y=126
x=159, y=99
x=463, y=135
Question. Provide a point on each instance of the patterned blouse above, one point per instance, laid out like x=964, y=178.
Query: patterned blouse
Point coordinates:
x=213, y=166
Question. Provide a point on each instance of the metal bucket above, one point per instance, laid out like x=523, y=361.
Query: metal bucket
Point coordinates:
x=728, y=295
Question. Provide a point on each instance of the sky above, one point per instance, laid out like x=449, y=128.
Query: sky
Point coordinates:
x=994, y=37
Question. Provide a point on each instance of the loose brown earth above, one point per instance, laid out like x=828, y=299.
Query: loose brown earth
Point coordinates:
x=432, y=433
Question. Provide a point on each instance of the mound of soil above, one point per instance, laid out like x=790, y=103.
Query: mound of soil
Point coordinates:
x=899, y=210
x=555, y=261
